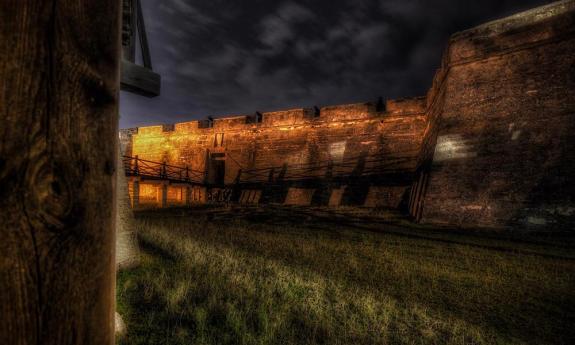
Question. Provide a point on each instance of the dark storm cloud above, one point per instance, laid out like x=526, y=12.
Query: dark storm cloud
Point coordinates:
x=236, y=57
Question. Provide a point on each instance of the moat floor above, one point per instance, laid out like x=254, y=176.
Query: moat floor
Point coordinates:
x=294, y=276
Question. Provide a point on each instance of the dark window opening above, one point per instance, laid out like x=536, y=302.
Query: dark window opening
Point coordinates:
x=208, y=123
x=312, y=113
x=252, y=156
x=217, y=169
x=316, y=111
x=256, y=118
x=380, y=106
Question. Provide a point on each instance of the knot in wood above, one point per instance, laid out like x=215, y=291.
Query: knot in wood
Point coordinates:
x=50, y=201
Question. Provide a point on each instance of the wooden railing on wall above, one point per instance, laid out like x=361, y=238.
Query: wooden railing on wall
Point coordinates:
x=377, y=168
x=352, y=167
x=134, y=166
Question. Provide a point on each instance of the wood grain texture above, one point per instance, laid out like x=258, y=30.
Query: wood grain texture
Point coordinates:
x=59, y=83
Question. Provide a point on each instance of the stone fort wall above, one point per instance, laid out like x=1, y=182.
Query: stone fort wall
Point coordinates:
x=290, y=137
x=499, y=148
x=491, y=145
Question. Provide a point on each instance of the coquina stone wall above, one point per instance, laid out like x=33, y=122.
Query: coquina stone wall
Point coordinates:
x=499, y=148
x=491, y=145
x=291, y=137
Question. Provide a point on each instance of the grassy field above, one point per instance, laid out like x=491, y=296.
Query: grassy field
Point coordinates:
x=296, y=277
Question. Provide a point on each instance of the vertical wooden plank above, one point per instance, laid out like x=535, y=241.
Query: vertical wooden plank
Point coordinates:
x=164, y=191
x=419, y=209
x=412, y=193
x=59, y=85
x=416, y=195
x=136, y=193
x=143, y=36
x=129, y=18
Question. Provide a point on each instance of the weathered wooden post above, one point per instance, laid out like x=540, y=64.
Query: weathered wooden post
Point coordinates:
x=188, y=196
x=271, y=175
x=135, y=192
x=163, y=170
x=59, y=83
x=136, y=184
x=136, y=166
x=329, y=170
x=164, y=191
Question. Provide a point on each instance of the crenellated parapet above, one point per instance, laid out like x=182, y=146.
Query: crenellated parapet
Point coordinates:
x=295, y=117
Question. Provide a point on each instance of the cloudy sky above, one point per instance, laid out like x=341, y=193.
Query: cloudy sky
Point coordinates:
x=224, y=57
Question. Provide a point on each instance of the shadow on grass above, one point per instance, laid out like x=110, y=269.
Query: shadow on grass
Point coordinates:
x=534, y=318
x=549, y=245
x=155, y=250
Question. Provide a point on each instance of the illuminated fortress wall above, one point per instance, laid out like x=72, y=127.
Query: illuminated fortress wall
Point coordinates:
x=491, y=145
x=291, y=137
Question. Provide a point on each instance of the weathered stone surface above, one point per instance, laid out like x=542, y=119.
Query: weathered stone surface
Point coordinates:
x=336, y=196
x=299, y=196
x=500, y=145
x=386, y=197
x=119, y=325
x=126, y=247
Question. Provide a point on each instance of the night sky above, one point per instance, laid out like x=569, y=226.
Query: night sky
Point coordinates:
x=230, y=57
